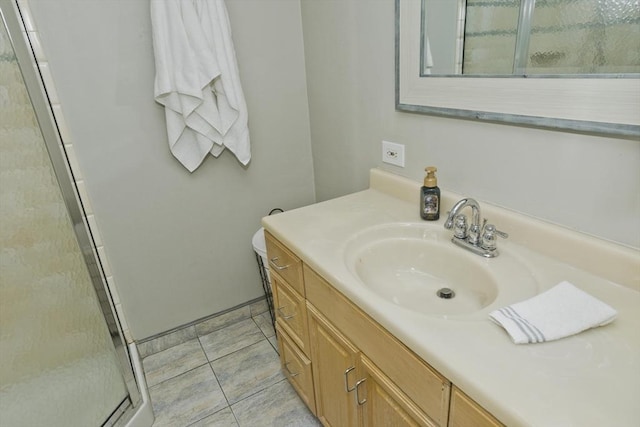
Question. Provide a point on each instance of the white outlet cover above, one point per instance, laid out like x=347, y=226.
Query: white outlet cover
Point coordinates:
x=393, y=153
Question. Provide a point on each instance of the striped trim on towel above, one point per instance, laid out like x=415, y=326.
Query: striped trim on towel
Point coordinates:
x=532, y=333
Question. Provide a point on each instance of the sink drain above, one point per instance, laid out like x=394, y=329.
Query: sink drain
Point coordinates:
x=446, y=293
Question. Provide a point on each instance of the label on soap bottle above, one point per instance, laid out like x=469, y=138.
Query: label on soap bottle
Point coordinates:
x=431, y=204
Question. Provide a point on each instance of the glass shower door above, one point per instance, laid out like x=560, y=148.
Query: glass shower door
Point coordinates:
x=58, y=363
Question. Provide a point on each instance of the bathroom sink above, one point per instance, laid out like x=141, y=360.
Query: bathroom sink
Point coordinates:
x=416, y=266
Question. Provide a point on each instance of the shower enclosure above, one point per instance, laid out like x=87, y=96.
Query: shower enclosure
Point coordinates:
x=64, y=361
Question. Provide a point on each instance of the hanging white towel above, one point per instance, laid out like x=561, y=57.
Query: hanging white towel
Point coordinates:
x=197, y=80
x=559, y=312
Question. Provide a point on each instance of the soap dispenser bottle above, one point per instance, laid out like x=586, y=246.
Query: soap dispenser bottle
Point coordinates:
x=430, y=196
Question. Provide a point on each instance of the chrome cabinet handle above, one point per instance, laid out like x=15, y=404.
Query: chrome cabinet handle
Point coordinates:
x=291, y=374
x=346, y=380
x=357, y=387
x=284, y=316
x=273, y=262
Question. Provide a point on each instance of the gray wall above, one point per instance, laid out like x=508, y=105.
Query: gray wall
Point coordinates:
x=179, y=244
x=585, y=182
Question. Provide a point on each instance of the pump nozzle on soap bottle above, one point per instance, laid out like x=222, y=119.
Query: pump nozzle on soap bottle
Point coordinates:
x=430, y=196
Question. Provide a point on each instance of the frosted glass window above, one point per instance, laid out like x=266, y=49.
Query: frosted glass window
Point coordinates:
x=491, y=28
x=585, y=37
x=553, y=37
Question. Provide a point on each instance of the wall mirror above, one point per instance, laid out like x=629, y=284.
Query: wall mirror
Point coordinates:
x=561, y=64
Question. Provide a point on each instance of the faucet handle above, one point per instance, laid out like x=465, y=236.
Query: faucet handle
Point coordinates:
x=460, y=227
x=489, y=236
x=502, y=234
x=493, y=229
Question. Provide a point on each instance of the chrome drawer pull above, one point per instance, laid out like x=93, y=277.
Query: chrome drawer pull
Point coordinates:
x=276, y=266
x=291, y=374
x=357, y=387
x=284, y=316
x=346, y=380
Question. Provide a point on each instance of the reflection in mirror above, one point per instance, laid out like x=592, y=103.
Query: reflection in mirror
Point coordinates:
x=605, y=105
x=529, y=37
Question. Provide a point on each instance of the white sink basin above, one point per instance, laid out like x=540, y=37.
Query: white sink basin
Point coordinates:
x=408, y=264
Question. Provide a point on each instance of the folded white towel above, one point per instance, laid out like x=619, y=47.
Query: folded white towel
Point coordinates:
x=559, y=312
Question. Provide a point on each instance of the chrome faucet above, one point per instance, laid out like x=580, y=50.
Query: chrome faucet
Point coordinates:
x=478, y=238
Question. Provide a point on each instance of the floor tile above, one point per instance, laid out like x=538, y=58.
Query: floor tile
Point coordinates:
x=264, y=323
x=186, y=392
x=232, y=338
x=173, y=361
x=259, y=307
x=165, y=341
x=274, y=343
x=187, y=398
x=248, y=371
x=223, y=320
x=223, y=418
x=276, y=406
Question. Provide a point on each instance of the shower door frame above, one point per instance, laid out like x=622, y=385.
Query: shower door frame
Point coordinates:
x=12, y=19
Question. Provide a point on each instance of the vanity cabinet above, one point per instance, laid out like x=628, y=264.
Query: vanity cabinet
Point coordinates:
x=348, y=369
x=296, y=366
x=291, y=312
x=465, y=412
x=350, y=389
x=334, y=372
x=383, y=403
x=284, y=263
x=291, y=318
x=390, y=382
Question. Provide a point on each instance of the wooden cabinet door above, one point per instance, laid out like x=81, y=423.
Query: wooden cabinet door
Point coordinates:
x=418, y=381
x=334, y=362
x=382, y=403
x=467, y=413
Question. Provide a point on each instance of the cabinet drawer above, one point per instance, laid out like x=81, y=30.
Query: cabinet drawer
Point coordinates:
x=283, y=262
x=291, y=313
x=467, y=413
x=421, y=383
x=297, y=368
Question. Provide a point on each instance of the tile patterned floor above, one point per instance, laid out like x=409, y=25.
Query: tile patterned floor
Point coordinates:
x=224, y=371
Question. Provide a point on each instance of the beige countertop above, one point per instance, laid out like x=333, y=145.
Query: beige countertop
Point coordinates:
x=589, y=379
